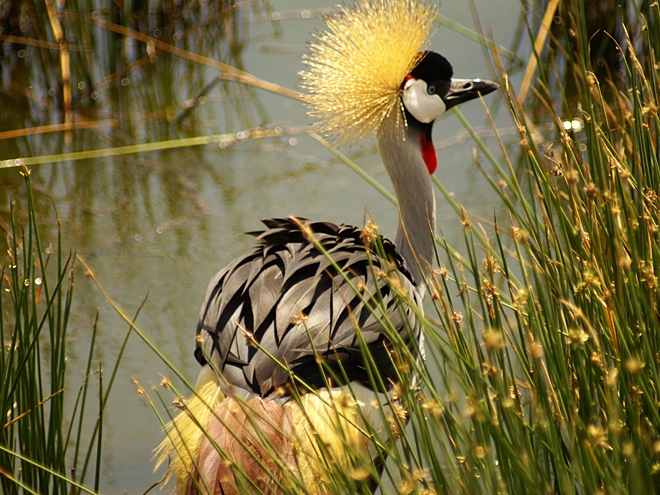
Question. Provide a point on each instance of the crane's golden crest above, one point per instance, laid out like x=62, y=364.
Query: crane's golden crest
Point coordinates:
x=356, y=68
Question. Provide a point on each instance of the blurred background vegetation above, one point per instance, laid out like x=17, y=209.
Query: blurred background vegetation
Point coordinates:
x=543, y=337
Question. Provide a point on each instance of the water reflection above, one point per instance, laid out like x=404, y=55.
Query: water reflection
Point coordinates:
x=105, y=70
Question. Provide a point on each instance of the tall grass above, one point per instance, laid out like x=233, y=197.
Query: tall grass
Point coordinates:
x=547, y=337
x=543, y=346
x=542, y=342
x=41, y=439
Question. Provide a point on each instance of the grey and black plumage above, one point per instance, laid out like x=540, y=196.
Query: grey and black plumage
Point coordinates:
x=284, y=310
x=289, y=297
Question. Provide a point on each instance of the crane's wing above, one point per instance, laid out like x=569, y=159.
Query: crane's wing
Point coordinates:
x=285, y=300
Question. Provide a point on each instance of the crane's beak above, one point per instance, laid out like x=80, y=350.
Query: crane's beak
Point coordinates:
x=462, y=90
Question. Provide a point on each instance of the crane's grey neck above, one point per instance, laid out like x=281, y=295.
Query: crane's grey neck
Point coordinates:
x=413, y=187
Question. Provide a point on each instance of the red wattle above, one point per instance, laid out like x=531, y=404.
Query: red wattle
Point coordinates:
x=428, y=153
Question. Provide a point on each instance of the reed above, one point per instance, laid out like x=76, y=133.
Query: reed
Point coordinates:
x=542, y=330
x=41, y=437
x=547, y=329
x=65, y=64
x=542, y=339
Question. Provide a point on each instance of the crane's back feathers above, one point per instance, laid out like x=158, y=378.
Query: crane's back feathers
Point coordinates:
x=291, y=303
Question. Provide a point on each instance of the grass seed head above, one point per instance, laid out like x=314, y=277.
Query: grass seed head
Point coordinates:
x=634, y=365
x=656, y=447
x=299, y=318
x=249, y=338
x=577, y=337
x=598, y=436
x=493, y=339
x=479, y=451
x=369, y=233
x=434, y=408
x=406, y=487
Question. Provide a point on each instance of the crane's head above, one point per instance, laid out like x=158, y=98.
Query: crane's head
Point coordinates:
x=370, y=72
x=430, y=90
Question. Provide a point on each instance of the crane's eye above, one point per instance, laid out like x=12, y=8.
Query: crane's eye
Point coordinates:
x=431, y=89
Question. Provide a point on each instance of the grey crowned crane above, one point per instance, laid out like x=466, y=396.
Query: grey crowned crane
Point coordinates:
x=283, y=315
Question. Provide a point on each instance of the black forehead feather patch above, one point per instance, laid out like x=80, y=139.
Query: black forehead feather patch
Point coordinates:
x=433, y=67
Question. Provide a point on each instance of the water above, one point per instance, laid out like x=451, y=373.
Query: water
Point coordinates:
x=158, y=225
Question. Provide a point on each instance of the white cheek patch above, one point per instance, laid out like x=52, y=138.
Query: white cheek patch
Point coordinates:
x=421, y=105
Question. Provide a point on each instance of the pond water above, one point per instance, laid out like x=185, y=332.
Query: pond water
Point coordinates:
x=160, y=224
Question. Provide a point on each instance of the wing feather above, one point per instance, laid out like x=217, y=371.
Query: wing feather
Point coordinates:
x=290, y=299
